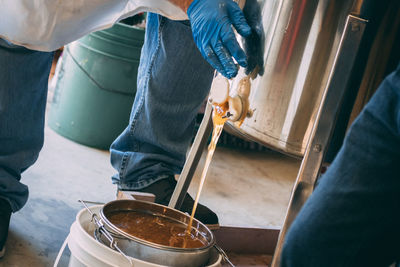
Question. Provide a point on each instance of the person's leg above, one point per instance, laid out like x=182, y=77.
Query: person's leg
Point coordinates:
x=173, y=81
x=23, y=90
x=352, y=218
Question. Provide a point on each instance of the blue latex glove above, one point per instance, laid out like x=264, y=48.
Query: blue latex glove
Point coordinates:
x=211, y=22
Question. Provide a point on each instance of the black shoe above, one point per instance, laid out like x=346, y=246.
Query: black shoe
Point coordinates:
x=163, y=190
x=5, y=215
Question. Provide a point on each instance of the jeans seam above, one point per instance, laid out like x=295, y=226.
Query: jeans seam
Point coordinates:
x=124, y=161
x=136, y=147
x=147, y=78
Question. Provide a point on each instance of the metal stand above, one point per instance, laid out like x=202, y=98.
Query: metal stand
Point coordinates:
x=323, y=128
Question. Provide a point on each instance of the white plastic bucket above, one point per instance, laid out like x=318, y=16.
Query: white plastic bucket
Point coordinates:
x=87, y=251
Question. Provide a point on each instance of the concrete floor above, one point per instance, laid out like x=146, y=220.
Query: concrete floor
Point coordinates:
x=245, y=188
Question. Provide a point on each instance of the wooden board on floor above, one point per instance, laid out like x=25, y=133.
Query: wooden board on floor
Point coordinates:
x=247, y=246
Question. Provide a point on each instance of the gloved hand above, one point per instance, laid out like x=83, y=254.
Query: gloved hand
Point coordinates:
x=211, y=22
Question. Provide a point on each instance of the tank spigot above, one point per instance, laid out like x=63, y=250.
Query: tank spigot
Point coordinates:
x=238, y=105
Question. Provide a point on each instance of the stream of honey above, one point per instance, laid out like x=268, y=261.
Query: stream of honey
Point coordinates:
x=162, y=230
x=219, y=120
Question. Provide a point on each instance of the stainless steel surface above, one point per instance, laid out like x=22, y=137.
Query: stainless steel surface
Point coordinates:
x=192, y=160
x=294, y=43
x=156, y=253
x=325, y=122
x=215, y=255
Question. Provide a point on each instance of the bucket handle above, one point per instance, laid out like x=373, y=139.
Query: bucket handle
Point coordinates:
x=61, y=252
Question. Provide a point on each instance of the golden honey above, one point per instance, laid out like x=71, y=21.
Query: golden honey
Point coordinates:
x=156, y=229
x=219, y=118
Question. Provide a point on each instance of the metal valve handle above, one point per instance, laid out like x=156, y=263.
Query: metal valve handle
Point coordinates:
x=102, y=230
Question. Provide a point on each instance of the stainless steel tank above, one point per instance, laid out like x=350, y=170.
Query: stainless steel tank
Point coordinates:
x=293, y=45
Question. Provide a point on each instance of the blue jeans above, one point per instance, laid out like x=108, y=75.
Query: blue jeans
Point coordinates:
x=353, y=216
x=173, y=81
x=23, y=90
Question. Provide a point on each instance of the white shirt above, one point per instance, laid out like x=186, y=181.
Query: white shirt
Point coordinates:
x=46, y=25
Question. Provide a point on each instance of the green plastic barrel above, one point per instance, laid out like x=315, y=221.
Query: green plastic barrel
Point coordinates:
x=96, y=85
